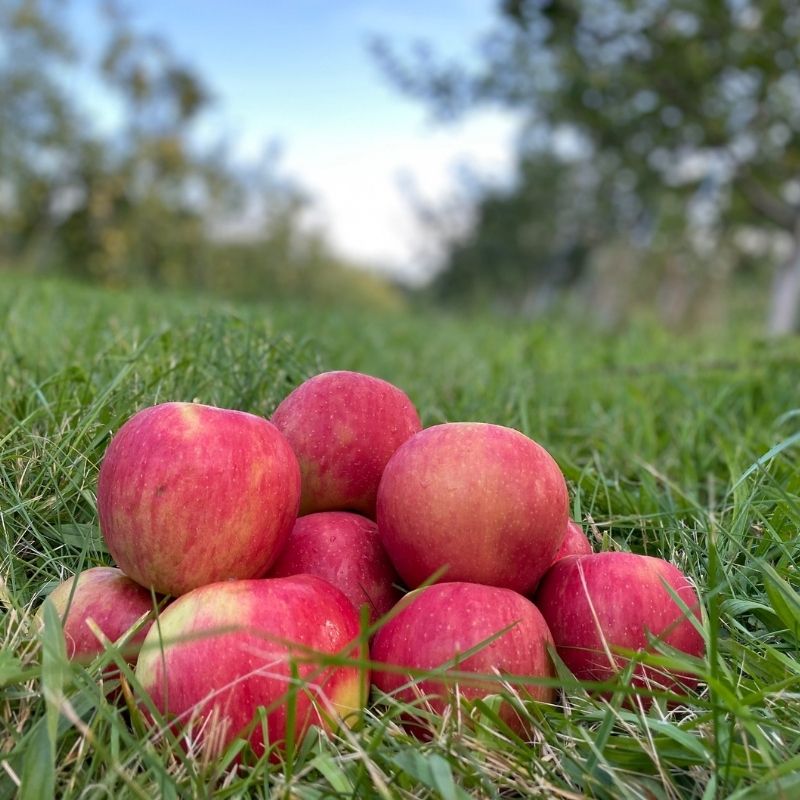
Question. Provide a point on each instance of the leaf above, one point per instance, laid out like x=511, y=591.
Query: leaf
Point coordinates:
x=332, y=773
x=39, y=771
x=771, y=788
x=784, y=600
x=768, y=456
x=82, y=535
x=432, y=771
x=10, y=669
x=740, y=607
x=54, y=666
x=692, y=744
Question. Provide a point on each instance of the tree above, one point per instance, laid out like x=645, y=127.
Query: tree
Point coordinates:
x=39, y=125
x=529, y=240
x=697, y=99
x=104, y=208
x=145, y=203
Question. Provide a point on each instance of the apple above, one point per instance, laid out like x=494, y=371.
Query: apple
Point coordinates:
x=596, y=603
x=222, y=651
x=109, y=598
x=345, y=550
x=344, y=427
x=190, y=494
x=484, y=502
x=576, y=542
x=438, y=623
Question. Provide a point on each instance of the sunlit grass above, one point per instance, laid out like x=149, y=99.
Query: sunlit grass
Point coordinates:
x=681, y=447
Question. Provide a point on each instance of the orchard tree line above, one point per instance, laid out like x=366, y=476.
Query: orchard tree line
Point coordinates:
x=143, y=202
x=658, y=164
x=659, y=161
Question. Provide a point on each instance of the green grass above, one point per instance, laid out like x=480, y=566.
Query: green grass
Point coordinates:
x=686, y=448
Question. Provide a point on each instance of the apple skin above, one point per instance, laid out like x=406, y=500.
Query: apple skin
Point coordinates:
x=191, y=494
x=576, y=543
x=221, y=651
x=619, y=597
x=344, y=549
x=440, y=621
x=112, y=600
x=484, y=501
x=343, y=427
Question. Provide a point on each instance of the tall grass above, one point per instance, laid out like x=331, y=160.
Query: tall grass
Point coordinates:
x=686, y=448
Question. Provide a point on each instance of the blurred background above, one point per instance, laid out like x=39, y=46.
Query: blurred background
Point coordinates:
x=602, y=158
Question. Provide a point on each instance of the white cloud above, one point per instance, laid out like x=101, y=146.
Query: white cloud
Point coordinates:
x=357, y=183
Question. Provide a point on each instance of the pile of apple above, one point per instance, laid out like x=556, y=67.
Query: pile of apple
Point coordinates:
x=201, y=504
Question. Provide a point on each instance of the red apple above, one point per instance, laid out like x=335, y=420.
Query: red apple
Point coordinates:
x=440, y=622
x=576, y=543
x=344, y=427
x=190, y=494
x=596, y=603
x=112, y=600
x=483, y=501
x=223, y=650
x=345, y=550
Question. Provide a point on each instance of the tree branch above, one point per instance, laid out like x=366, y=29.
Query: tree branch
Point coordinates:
x=766, y=203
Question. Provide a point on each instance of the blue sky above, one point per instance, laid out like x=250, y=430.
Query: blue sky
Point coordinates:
x=299, y=71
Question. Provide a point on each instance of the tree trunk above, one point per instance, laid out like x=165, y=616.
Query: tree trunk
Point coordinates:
x=784, y=312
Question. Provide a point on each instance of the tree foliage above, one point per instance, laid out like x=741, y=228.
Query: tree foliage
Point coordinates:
x=527, y=240
x=144, y=203
x=690, y=100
